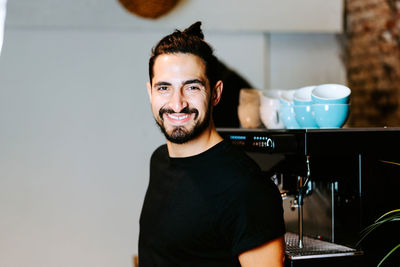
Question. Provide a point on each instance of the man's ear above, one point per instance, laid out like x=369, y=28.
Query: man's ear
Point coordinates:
x=149, y=90
x=217, y=92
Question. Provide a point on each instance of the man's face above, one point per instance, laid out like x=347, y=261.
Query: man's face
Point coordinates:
x=180, y=96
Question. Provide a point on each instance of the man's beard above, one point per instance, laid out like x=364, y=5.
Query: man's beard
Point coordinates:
x=179, y=134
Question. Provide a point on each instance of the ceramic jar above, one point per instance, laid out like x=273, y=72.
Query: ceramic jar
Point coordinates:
x=249, y=108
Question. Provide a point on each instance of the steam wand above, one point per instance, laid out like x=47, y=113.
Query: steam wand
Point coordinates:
x=301, y=194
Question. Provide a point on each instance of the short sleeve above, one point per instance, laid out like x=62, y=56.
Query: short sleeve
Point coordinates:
x=252, y=215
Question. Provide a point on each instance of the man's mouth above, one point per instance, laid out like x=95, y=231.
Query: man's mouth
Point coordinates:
x=178, y=118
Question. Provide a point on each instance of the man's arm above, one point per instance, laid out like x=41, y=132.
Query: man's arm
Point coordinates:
x=270, y=254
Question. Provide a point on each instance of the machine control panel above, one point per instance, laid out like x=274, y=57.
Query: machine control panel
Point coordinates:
x=261, y=141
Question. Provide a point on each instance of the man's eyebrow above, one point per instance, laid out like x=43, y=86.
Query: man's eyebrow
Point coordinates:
x=194, y=81
x=161, y=84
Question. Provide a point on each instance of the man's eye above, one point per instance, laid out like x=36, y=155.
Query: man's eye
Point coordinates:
x=193, y=87
x=162, y=88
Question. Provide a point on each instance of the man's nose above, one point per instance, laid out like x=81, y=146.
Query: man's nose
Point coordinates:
x=178, y=101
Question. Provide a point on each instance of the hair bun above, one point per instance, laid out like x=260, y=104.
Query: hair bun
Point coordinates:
x=195, y=29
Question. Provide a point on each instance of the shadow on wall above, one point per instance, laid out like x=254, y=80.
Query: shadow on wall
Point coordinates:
x=225, y=114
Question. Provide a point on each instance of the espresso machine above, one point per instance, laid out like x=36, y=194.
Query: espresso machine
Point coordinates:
x=334, y=183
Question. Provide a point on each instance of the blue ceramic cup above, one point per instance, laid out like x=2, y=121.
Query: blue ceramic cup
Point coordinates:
x=302, y=96
x=286, y=111
x=286, y=97
x=304, y=117
x=330, y=94
x=330, y=115
x=287, y=115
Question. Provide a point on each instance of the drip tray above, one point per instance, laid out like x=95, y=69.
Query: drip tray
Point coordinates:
x=314, y=248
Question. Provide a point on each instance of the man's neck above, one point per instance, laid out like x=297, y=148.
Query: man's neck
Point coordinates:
x=203, y=142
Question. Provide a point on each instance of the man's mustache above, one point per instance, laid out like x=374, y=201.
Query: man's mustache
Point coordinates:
x=184, y=110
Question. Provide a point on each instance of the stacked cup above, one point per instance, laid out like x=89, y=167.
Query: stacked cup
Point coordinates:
x=310, y=107
x=286, y=110
x=302, y=107
x=330, y=105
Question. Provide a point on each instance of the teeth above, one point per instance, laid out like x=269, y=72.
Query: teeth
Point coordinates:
x=182, y=117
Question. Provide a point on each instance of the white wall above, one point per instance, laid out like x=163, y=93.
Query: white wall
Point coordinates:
x=221, y=15
x=76, y=131
x=298, y=60
x=76, y=137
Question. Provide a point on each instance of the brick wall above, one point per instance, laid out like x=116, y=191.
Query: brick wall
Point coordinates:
x=373, y=61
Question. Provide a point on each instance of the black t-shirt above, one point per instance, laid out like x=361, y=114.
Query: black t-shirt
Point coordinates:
x=206, y=209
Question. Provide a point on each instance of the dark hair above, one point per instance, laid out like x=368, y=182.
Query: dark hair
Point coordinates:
x=191, y=41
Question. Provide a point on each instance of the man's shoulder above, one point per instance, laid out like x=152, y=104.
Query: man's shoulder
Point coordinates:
x=160, y=152
x=238, y=161
x=236, y=170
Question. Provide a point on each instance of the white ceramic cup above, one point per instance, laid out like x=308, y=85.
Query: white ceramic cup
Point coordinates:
x=269, y=109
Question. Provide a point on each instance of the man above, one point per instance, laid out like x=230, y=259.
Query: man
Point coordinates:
x=207, y=203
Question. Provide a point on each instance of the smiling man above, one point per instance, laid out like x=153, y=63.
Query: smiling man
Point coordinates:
x=207, y=203
x=179, y=80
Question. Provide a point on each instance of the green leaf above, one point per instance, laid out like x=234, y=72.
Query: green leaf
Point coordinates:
x=394, y=216
x=390, y=162
x=387, y=255
x=390, y=212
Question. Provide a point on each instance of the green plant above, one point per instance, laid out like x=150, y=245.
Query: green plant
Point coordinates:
x=391, y=216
